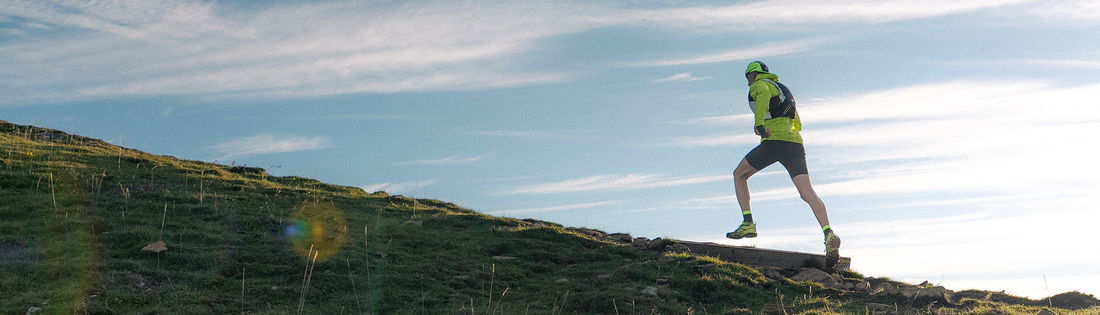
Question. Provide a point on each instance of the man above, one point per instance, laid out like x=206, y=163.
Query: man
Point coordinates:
x=778, y=125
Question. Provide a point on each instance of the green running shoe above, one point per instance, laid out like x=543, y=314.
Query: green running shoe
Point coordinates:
x=746, y=230
x=832, y=250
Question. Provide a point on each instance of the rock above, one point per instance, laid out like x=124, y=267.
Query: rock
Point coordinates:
x=592, y=233
x=677, y=248
x=640, y=243
x=936, y=291
x=884, y=287
x=155, y=247
x=665, y=259
x=815, y=275
x=832, y=283
x=863, y=286
x=1073, y=300
x=810, y=274
x=770, y=272
x=650, y=291
x=503, y=258
x=562, y=280
x=621, y=237
x=32, y=310
x=46, y=135
x=912, y=292
x=135, y=280
x=655, y=243
x=907, y=292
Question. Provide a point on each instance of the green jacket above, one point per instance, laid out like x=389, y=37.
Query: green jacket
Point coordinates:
x=782, y=128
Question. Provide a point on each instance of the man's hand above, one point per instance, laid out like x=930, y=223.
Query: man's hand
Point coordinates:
x=763, y=132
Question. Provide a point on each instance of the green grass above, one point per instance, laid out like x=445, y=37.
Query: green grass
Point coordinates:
x=76, y=213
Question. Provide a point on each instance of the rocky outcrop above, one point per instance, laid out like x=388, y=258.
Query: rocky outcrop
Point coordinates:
x=640, y=243
x=815, y=275
x=871, y=288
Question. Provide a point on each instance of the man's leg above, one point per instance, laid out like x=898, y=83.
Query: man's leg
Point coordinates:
x=806, y=191
x=832, y=242
x=741, y=187
x=741, y=184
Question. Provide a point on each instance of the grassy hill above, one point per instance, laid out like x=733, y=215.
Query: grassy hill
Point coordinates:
x=82, y=221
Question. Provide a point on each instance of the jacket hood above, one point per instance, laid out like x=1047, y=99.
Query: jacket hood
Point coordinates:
x=765, y=75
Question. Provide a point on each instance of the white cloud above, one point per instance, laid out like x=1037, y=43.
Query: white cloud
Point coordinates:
x=194, y=47
x=561, y=208
x=683, y=77
x=924, y=101
x=963, y=249
x=615, y=183
x=977, y=136
x=985, y=136
x=266, y=143
x=758, y=14
x=1060, y=63
x=77, y=50
x=1061, y=10
x=729, y=119
x=399, y=188
x=452, y=160
x=712, y=141
x=971, y=245
x=757, y=52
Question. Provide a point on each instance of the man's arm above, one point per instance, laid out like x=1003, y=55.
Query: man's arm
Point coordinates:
x=760, y=93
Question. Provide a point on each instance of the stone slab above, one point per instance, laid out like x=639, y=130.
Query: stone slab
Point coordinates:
x=758, y=256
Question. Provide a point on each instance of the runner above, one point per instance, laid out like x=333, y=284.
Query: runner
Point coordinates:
x=778, y=125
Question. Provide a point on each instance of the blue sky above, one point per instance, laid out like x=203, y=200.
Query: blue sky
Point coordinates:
x=952, y=141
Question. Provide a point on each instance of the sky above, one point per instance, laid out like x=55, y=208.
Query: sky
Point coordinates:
x=952, y=141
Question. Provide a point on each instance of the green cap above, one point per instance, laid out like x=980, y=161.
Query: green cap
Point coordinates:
x=756, y=66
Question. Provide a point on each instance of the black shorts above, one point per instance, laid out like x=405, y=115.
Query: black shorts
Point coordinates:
x=792, y=155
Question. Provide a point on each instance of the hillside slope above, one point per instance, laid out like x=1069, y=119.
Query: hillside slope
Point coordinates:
x=90, y=227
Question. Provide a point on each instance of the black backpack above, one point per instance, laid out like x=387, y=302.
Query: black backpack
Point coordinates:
x=782, y=105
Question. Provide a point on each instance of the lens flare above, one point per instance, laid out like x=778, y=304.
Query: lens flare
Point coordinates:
x=318, y=225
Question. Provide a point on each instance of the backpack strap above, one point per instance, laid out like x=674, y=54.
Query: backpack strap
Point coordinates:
x=786, y=100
